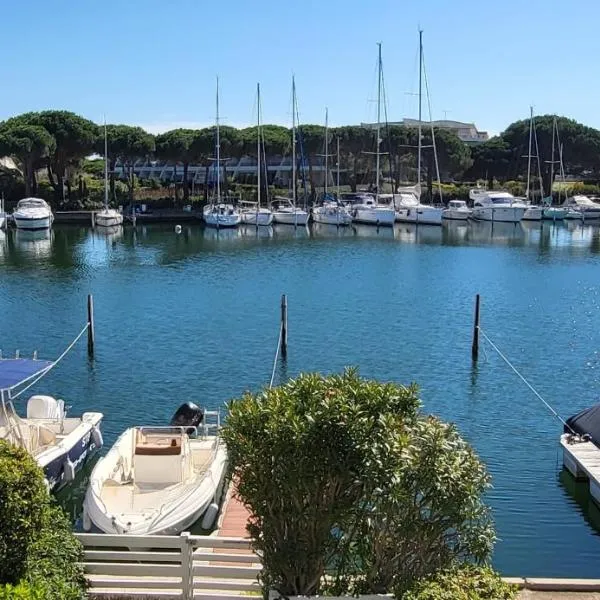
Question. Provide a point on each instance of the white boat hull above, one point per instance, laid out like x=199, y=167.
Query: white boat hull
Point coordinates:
x=264, y=218
x=424, y=215
x=110, y=218
x=32, y=224
x=503, y=214
x=2, y=220
x=331, y=216
x=554, y=213
x=116, y=503
x=228, y=218
x=533, y=213
x=456, y=214
x=381, y=217
x=583, y=215
x=284, y=217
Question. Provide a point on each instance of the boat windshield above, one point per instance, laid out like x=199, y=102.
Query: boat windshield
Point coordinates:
x=31, y=203
x=502, y=199
x=457, y=204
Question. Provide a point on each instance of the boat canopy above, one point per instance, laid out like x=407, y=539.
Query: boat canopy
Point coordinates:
x=14, y=372
x=586, y=422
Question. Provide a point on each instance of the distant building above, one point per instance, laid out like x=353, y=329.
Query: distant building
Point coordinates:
x=467, y=132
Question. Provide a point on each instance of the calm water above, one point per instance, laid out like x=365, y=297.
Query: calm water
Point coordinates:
x=195, y=317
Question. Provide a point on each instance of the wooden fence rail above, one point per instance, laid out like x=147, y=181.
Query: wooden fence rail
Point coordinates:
x=184, y=566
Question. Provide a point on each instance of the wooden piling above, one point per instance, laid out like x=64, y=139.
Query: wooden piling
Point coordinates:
x=475, y=346
x=90, y=330
x=284, y=326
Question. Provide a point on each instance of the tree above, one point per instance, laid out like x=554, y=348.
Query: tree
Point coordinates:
x=354, y=140
x=179, y=145
x=28, y=144
x=311, y=141
x=491, y=160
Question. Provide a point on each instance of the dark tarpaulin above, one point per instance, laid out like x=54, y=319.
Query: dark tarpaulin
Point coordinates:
x=586, y=422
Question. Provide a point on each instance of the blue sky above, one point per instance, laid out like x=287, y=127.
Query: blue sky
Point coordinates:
x=154, y=63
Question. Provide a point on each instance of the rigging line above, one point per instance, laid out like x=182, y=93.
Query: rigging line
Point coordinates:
x=525, y=380
x=276, y=357
x=54, y=363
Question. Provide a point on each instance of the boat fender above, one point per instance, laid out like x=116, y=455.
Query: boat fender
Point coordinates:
x=210, y=515
x=97, y=437
x=68, y=470
x=87, y=522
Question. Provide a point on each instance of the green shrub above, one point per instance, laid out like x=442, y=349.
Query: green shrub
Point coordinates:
x=466, y=583
x=26, y=591
x=38, y=552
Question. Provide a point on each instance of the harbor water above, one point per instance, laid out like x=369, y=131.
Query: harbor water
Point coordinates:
x=195, y=316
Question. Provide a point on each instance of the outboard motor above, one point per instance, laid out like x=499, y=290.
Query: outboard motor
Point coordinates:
x=187, y=415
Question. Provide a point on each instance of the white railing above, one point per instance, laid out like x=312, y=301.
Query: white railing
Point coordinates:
x=184, y=566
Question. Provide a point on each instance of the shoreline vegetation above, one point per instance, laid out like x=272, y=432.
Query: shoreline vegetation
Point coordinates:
x=50, y=158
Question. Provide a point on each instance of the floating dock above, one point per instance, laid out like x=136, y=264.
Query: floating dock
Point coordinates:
x=582, y=459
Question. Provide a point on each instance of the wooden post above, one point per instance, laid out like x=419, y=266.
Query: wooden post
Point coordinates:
x=90, y=331
x=187, y=566
x=284, y=326
x=475, y=346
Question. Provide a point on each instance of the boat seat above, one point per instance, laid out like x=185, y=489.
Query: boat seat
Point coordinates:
x=173, y=448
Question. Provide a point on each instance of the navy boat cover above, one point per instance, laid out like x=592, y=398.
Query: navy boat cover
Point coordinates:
x=15, y=371
x=586, y=422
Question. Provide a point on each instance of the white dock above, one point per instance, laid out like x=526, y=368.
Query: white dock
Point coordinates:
x=582, y=460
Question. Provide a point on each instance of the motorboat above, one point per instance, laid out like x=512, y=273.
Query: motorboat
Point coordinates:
x=159, y=480
x=365, y=209
x=457, y=211
x=60, y=445
x=554, y=213
x=285, y=212
x=253, y=214
x=331, y=212
x=581, y=207
x=33, y=213
x=497, y=206
x=408, y=207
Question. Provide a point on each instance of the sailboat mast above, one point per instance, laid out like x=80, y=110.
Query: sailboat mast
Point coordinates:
x=326, y=148
x=294, y=140
x=338, y=169
x=218, y=149
x=258, y=146
x=529, y=153
x=419, y=143
x=105, y=166
x=552, y=157
x=379, y=74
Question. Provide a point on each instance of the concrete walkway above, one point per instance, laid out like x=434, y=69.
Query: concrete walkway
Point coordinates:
x=530, y=595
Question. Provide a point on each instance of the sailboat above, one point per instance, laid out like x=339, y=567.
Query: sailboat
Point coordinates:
x=286, y=211
x=407, y=200
x=107, y=217
x=532, y=212
x=218, y=213
x=331, y=211
x=554, y=213
x=253, y=213
x=366, y=208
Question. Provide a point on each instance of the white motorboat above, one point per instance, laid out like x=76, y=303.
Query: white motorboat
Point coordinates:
x=409, y=209
x=107, y=217
x=159, y=480
x=285, y=212
x=33, y=213
x=365, y=209
x=59, y=444
x=457, y=211
x=220, y=213
x=252, y=213
x=581, y=207
x=498, y=206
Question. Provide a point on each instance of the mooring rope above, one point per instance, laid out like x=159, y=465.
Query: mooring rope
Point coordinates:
x=537, y=394
x=276, y=356
x=45, y=371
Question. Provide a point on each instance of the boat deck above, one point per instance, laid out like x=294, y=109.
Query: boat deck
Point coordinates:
x=582, y=460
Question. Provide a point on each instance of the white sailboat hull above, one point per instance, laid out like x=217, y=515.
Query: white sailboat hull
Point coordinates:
x=380, y=216
x=533, y=213
x=108, y=218
x=263, y=218
x=290, y=217
x=221, y=216
x=420, y=214
x=500, y=214
x=331, y=215
x=554, y=213
x=117, y=504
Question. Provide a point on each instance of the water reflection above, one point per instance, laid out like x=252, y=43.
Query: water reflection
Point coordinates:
x=35, y=244
x=371, y=231
x=226, y=234
x=323, y=230
x=290, y=232
x=455, y=232
x=110, y=234
x=579, y=493
x=252, y=231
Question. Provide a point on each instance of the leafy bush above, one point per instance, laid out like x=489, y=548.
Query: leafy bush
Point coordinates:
x=38, y=552
x=466, y=583
x=302, y=454
x=26, y=591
